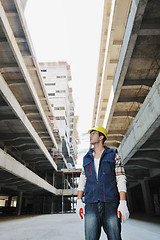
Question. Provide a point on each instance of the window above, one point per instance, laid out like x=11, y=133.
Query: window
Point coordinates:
x=50, y=84
x=60, y=118
x=60, y=91
x=59, y=108
x=51, y=94
x=61, y=76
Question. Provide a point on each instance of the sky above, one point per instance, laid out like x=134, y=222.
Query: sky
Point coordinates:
x=70, y=30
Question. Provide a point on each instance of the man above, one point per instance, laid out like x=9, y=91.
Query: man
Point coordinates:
x=104, y=183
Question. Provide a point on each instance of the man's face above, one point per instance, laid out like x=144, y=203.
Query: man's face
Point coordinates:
x=94, y=137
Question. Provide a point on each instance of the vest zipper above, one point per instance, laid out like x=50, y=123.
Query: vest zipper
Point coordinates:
x=98, y=190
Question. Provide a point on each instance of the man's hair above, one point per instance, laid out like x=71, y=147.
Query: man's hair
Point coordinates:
x=104, y=138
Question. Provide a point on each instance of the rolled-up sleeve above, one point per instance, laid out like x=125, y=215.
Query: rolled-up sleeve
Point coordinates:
x=120, y=174
x=82, y=181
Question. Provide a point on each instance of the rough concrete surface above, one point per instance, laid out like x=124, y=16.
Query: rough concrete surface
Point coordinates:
x=67, y=227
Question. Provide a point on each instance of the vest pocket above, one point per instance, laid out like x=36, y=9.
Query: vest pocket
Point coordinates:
x=112, y=166
x=106, y=168
x=109, y=167
x=88, y=170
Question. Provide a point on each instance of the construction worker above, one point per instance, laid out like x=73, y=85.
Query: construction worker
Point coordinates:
x=103, y=181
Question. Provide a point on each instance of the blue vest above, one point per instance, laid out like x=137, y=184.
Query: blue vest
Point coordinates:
x=103, y=189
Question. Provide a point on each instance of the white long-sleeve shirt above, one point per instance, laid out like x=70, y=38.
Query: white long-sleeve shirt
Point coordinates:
x=119, y=170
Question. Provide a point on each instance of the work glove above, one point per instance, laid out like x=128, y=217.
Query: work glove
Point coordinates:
x=123, y=212
x=80, y=208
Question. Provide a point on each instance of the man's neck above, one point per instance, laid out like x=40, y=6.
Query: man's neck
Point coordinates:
x=98, y=150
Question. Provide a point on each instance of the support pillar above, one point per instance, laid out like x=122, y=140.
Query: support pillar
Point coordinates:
x=52, y=204
x=35, y=204
x=63, y=187
x=62, y=203
x=9, y=201
x=54, y=179
x=73, y=203
x=44, y=204
x=129, y=200
x=149, y=208
x=19, y=203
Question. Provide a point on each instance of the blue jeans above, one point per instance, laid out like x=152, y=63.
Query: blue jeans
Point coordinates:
x=102, y=214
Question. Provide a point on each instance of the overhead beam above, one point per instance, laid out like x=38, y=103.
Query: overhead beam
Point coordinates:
x=125, y=114
x=15, y=136
x=117, y=42
x=113, y=61
x=116, y=132
x=10, y=117
x=138, y=172
x=131, y=99
x=15, y=106
x=151, y=159
x=149, y=149
x=23, y=145
x=131, y=87
x=11, y=14
x=20, y=40
x=11, y=165
x=155, y=143
x=9, y=69
x=143, y=154
x=135, y=166
x=113, y=141
x=148, y=32
x=140, y=82
x=17, y=84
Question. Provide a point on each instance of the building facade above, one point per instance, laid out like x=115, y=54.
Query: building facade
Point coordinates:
x=56, y=77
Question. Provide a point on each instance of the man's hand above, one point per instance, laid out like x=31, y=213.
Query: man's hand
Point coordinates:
x=123, y=212
x=80, y=208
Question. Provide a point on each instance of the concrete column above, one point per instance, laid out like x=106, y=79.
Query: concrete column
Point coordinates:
x=44, y=204
x=35, y=204
x=63, y=186
x=73, y=203
x=9, y=201
x=62, y=203
x=53, y=179
x=48, y=204
x=149, y=208
x=52, y=204
x=19, y=203
x=129, y=200
x=67, y=181
x=72, y=180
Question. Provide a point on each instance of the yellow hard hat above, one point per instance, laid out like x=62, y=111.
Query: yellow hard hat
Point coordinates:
x=99, y=129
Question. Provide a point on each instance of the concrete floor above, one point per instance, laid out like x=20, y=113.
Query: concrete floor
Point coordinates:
x=67, y=227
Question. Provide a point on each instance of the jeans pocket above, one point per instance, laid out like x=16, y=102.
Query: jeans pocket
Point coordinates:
x=114, y=204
